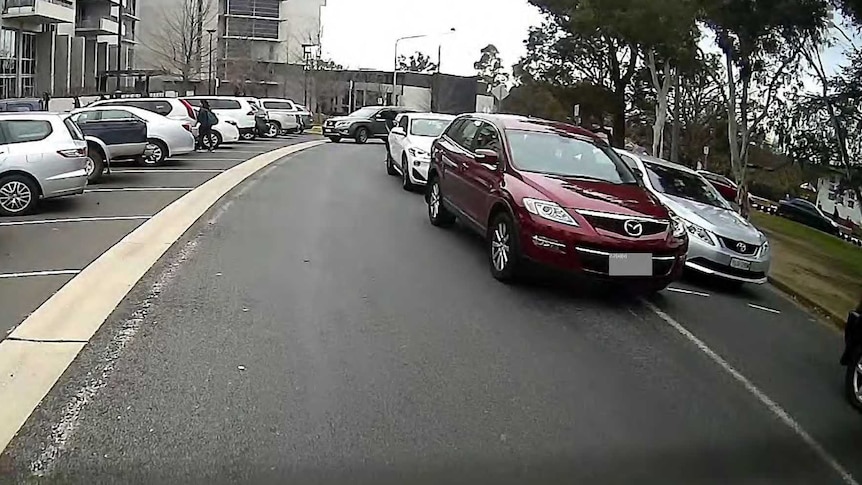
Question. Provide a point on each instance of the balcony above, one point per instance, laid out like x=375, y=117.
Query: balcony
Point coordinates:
x=40, y=11
x=90, y=26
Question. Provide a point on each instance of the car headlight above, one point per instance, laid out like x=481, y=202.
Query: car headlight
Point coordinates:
x=343, y=124
x=550, y=211
x=699, y=232
x=764, y=249
x=418, y=153
x=677, y=226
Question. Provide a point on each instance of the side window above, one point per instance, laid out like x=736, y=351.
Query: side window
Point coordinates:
x=404, y=122
x=163, y=108
x=454, y=128
x=194, y=102
x=116, y=114
x=86, y=116
x=467, y=133
x=73, y=129
x=629, y=161
x=23, y=131
x=224, y=104
x=487, y=138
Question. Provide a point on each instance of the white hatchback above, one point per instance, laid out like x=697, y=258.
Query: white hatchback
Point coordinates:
x=410, y=146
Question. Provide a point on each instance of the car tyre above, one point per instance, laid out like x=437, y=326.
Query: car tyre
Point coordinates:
x=504, y=253
x=406, y=183
x=853, y=380
x=218, y=139
x=362, y=135
x=390, y=164
x=437, y=212
x=335, y=139
x=18, y=195
x=95, y=166
x=272, y=129
x=160, y=153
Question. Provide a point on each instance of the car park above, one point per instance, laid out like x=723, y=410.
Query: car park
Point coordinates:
x=234, y=108
x=852, y=357
x=804, y=212
x=171, y=108
x=111, y=139
x=283, y=115
x=363, y=124
x=165, y=137
x=44, y=156
x=554, y=194
x=410, y=146
x=225, y=131
x=721, y=242
x=262, y=124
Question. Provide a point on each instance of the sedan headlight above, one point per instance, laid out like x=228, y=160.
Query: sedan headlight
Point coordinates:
x=699, y=232
x=418, y=153
x=677, y=226
x=764, y=249
x=550, y=211
x=343, y=124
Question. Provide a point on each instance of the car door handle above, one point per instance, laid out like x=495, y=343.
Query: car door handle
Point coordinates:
x=465, y=166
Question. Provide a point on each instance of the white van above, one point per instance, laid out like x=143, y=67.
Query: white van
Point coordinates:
x=232, y=107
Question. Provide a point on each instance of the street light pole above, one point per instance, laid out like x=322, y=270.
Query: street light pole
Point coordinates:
x=210, y=87
x=395, y=66
x=306, y=57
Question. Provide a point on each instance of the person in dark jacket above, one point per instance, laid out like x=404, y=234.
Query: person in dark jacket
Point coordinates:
x=206, y=120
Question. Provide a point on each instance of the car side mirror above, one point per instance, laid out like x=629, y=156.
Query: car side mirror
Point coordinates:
x=399, y=131
x=485, y=155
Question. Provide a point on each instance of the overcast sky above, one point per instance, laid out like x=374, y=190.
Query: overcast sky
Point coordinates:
x=362, y=33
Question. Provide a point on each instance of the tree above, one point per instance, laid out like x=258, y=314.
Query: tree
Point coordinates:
x=417, y=62
x=178, y=43
x=490, y=67
x=761, y=43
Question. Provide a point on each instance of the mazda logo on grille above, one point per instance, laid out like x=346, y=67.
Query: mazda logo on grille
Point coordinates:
x=741, y=247
x=633, y=228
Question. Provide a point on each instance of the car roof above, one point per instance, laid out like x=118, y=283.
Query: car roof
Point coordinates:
x=39, y=115
x=430, y=116
x=120, y=100
x=235, y=98
x=527, y=123
x=657, y=161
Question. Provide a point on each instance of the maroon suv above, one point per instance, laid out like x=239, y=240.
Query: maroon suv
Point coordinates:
x=553, y=194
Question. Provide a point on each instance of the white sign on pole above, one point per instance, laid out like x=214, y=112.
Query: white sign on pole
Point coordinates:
x=577, y=111
x=706, y=150
x=500, y=92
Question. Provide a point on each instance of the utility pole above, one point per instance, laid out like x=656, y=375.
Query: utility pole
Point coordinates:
x=119, y=41
x=210, y=87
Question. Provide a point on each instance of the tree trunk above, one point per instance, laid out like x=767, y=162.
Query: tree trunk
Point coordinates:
x=675, y=128
x=662, y=87
x=618, y=137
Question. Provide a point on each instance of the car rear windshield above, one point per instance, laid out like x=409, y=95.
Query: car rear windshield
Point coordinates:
x=428, y=127
x=566, y=156
x=23, y=131
x=686, y=185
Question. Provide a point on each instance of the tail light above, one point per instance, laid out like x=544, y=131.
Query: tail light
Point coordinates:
x=73, y=152
x=189, y=108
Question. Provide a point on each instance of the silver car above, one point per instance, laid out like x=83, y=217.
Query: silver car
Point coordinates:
x=42, y=155
x=721, y=242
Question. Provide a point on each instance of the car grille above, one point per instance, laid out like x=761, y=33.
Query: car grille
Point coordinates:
x=599, y=263
x=727, y=269
x=616, y=225
x=734, y=246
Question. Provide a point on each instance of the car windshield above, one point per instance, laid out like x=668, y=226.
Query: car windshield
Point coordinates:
x=428, y=127
x=567, y=156
x=364, y=112
x=685, y=185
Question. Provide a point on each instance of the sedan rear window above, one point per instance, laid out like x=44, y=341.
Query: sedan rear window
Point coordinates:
x=566, y=156
x=685, y=185
x=24, y=131
x=224, y=104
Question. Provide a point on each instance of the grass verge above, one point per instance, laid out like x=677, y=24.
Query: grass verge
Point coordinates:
x=819, y=269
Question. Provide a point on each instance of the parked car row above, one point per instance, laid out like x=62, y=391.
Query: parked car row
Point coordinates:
x=45, y=155
x=550, y=193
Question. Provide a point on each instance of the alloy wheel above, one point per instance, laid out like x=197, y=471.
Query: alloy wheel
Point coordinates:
x=15, y=196
x=500, y=247
x=857, y=381
x=90, y=166
x=156, y=152
x=273, y=130
x=434, y=201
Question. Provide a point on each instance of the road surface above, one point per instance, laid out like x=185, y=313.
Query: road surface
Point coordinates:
x=315, y=328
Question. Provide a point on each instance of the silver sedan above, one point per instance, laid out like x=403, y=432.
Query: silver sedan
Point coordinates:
x=721, y=242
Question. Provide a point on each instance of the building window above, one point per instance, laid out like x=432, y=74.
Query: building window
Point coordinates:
x=9, y=64
x=254, y=8
x=257, y=28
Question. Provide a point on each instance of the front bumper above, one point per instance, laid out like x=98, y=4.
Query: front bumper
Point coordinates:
x=585, y=251
x=342, y=132
x=716, y=261
x=418, y=168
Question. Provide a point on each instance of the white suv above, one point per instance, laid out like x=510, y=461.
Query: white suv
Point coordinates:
x=289, y=111
x=235, y=108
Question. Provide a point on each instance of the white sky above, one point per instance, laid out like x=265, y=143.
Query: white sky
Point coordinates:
x=362, y=33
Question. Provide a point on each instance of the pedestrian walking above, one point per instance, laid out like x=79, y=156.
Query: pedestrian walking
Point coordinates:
x=206, y=120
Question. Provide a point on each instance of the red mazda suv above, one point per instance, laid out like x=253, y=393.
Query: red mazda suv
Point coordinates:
x=553, y=194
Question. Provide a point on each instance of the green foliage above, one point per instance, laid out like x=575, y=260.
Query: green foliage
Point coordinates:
x=417, y=62
x=490, y=67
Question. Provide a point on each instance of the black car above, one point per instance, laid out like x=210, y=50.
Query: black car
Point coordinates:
x=852, y=357
x=362, y=124
x=804, y=212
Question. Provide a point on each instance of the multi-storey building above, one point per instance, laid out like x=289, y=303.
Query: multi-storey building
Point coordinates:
x=63, y=47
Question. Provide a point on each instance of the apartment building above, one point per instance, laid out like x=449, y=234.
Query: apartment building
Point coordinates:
x=253, y=40
x=63, y=47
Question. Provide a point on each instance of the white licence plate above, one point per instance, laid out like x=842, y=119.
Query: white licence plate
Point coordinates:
x=740, y=264
x=630, y=264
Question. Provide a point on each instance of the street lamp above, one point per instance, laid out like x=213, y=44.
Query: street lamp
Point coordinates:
x=210, y=87
x=306, y=56
x=395, y=68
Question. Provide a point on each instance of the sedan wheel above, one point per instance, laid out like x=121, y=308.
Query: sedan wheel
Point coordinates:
x=503, y=249
x=158, y=153
x=272, y=130
x=18, y=195
x=853, y=382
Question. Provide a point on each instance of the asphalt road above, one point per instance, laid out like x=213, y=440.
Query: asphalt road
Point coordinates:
x=316, y=328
